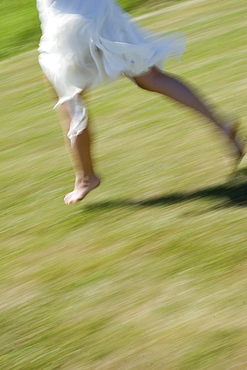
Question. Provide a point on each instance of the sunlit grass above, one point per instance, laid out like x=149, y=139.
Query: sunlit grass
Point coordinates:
x=149, y=271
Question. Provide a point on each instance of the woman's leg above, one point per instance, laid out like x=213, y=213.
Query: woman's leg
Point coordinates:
x=162, y=83
x=85, y=177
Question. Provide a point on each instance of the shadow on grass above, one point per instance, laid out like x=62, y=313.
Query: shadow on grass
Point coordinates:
x=233, y=194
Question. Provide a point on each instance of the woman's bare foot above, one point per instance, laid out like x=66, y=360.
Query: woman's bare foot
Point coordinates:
x=82, y=188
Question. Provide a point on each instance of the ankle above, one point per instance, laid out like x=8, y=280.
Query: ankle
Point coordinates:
x=85, y=178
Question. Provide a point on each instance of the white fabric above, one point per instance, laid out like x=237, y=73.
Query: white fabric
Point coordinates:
x=79, y=116
x=88, y=41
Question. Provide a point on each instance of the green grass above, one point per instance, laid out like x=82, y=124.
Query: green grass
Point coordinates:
x=149, y=271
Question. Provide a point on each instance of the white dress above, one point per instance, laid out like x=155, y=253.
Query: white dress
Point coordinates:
x=85, y=42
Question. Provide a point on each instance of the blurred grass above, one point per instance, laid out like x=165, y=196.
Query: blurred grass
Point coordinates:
x=149, y=271
x=20, y=30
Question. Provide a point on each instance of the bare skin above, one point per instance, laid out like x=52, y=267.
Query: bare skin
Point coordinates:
x=170, y=86
x=159, y=82
x=85, y=178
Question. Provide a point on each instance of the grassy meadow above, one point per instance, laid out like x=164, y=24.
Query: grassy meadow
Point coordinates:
x=150, y=270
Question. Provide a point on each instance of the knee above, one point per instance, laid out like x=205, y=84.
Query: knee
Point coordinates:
x=149, y=80
x=143, y=84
